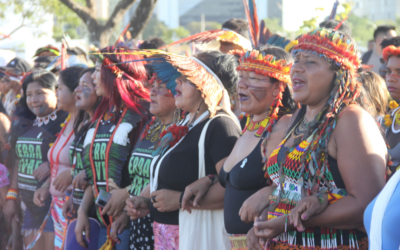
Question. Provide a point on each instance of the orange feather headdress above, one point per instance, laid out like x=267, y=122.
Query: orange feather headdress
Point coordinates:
x=390, y=51
x=331, y=45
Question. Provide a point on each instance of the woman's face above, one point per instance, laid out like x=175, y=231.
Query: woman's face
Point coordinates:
x=65, y=98
x=256, y=92
x=187, y=97
x=41, y=101
x=85, y=94
x=311, y=78
x=96, y=76
x=393, y=77
x=162, y=102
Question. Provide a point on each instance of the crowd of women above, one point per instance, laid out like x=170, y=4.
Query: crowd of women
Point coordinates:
x=269, y=144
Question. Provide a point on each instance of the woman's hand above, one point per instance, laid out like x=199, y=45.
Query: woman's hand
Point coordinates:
x=255, y=204
x=271, y=228
x=116, y=203
x=10, y=211
x=165, y=200
x=14, y=242
x=41, y=195
x=80, y=181
x=42, y=172
x=82, y=227
x=252, y=241
x=306, y=208
x=137, y=207
x=118, y=226
x=63, y=181
x=68, y=209
x=197, y=189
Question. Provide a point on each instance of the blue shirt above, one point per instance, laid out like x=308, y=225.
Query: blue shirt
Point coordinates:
x=391, y=221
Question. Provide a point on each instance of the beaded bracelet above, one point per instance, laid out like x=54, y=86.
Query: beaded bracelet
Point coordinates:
x=12, y=194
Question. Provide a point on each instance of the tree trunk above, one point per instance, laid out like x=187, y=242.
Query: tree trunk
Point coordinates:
x=141, y=17
x=100, y=34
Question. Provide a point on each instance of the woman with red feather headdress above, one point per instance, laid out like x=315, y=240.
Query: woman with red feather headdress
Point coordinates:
x=116, y=126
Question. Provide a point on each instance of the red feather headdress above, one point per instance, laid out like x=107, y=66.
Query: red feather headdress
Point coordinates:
x=390, y=51
x=168, y=67
x=332, y=45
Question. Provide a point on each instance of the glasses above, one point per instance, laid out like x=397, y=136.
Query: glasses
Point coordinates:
x=157, y=91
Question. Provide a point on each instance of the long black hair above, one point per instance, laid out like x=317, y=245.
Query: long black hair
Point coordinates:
x=224, y=66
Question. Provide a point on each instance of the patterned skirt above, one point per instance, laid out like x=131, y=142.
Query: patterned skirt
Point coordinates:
x=60, y=223
x=166, y=237
x=141, y=234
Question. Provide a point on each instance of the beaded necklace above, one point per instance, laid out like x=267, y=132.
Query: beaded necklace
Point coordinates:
x=39, y=121
x=295, y=181
x=259, y=126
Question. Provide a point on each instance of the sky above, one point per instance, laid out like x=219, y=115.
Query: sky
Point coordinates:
x=296, y=11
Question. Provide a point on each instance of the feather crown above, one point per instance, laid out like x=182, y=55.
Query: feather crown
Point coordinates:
x=265, y=64
x=390, y=51
x=260, y=62
x=331, y=45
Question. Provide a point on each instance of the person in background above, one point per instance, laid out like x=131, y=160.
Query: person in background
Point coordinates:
x=372, y=57
x=371, y=45
x=58, y=154
x=395, y=41
x=376, y=93
x=382, y=216
x=44, y=56
x=391, y=121
x=152, y=43
x=238, y=25
x=332, y=24
x=114, y=130
x=16, y=69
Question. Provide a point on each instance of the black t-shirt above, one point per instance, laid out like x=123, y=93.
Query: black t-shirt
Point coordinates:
x=75, y=158
x=31, y=149
x=140, y=160
x=119, y=153
x=181, y=166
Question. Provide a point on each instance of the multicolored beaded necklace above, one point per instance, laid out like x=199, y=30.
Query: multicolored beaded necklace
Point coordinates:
x=295, y=181
x=259, y=126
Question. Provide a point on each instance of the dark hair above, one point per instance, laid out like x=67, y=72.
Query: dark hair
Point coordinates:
x=279, y=53
x=45, y=78
x=395, y=41
x=224, y=66
x=82, y=113
x=70, y=77
x=152, y=43
x=332, y=24
x=149, y=71
x=238, y=25
x=383, y=29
